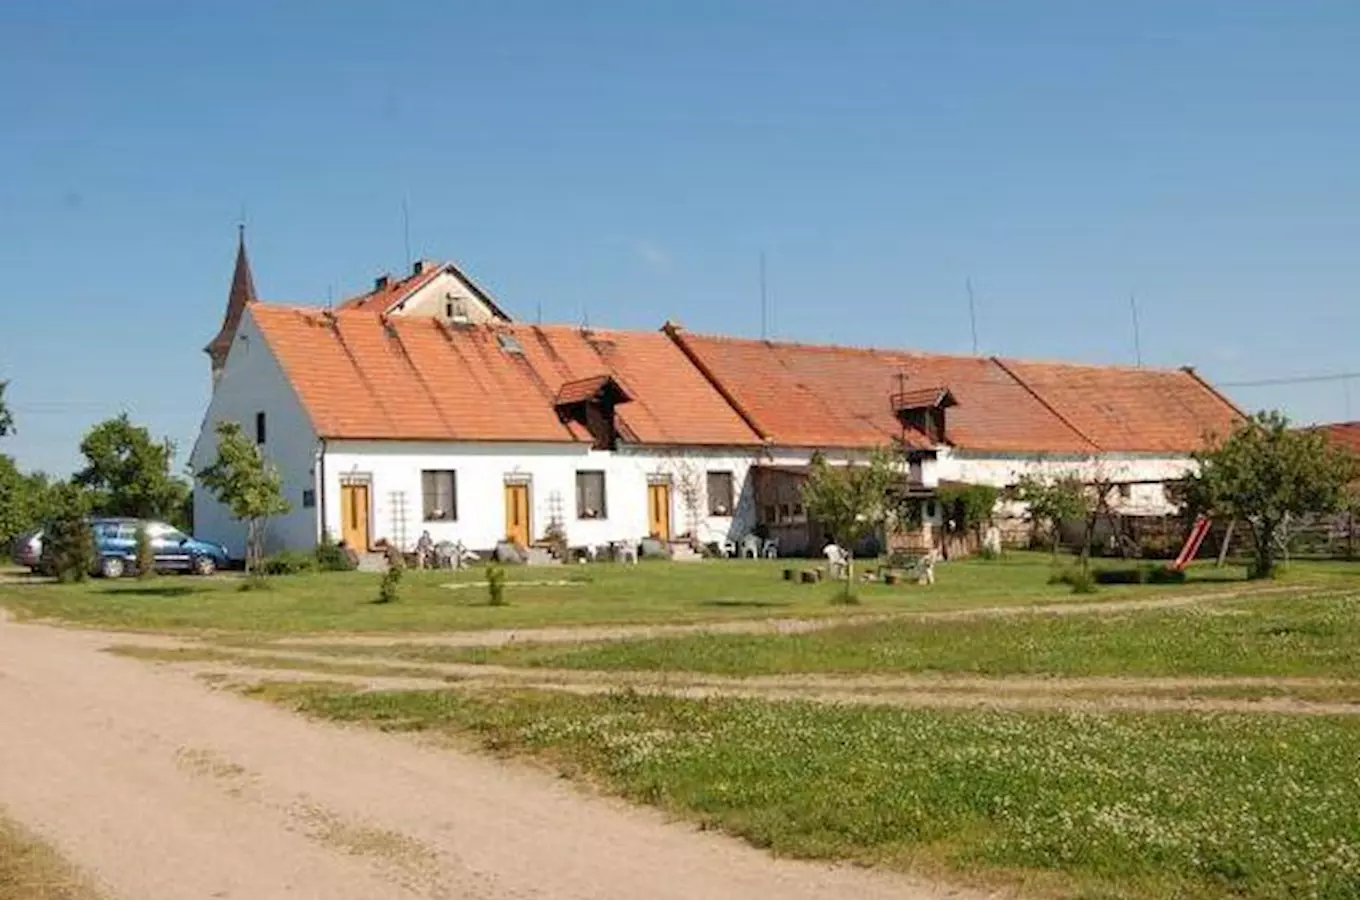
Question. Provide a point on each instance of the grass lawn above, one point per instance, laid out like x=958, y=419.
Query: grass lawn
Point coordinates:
x=597, y=594
x=1289, y=635
x=1078, y=805
x=31, y=870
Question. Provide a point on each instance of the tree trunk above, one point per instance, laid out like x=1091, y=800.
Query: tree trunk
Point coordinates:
x=1264, y=564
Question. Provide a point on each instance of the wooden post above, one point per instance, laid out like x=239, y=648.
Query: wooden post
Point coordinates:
x=1227, y=539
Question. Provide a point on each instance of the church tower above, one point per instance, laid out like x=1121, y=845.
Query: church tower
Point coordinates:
x=242, y=294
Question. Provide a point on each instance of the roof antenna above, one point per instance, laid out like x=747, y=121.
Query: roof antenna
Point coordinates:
x=972, y=312
x=538, y=312
x=406, y=231
x=1137, y=340
x=764, y=300
x=330, y=296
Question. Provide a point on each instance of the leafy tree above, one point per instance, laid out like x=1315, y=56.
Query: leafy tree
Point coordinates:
x=242, y=480
x=851, y=501
x=128, y=473
x=968, y=505
x=68, y=542
x=6, y=419
x=1050, y=501
x=1263, y=473
x=25, y=500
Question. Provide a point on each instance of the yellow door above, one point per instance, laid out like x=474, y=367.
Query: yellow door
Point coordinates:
x=659, y=510
x=517, y=514
x=354, y=515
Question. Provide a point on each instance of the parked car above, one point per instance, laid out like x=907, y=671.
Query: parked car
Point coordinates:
x=27, y=550
x=115, y=543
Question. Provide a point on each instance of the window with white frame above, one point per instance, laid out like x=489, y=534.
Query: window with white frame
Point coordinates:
x=590, y=499
x=439, y=495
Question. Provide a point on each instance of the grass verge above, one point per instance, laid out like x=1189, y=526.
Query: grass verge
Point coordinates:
x=597, y=594
x=1084, y=805
x=1269, y=636
x=32, y=870
x=269, y=661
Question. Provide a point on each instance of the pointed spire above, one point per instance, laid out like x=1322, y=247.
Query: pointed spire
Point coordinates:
x=241, y=295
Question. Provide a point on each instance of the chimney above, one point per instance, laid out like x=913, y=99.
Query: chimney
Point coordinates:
x=381, y=282
x=419, y=267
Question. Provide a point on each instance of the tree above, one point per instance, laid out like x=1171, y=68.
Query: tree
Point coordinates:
x=1050, y=501
x=1263, y=473
x=25, y=500
x=128, y=473
x=146, y=554
x=242, y=480
x=68, y=542
x=852, y=501
x=6, y=419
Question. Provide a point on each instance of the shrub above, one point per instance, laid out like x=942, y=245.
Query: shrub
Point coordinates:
x=146, y=554
x=495, y=585
x=1149, y=573
x=331, y=557
x=988, y=553
x=288, y=562
x=389, y=590
x=1075, y=577
x=68, y=541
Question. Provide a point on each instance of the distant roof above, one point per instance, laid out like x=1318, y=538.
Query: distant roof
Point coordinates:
x=1344, y=434
x=811, y=395
x=393, y=291
x=362, y=376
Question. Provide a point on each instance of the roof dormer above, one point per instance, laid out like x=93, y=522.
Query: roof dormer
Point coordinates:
x=923, y=409
x=591, y=402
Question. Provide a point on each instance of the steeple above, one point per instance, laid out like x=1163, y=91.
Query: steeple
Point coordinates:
x=242, y=294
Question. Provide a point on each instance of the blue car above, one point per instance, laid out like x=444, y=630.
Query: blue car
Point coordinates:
x=115, y=542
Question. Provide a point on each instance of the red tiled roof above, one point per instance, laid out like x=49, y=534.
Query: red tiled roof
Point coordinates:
x=1343, y=434
x=362, y=376
x=827, y=396
x=805, y=395
x=1119, y=408
x=384, y=298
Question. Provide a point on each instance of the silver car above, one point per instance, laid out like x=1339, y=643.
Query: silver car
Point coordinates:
x=27, y=550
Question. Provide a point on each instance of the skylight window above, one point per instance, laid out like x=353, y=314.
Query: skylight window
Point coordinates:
x=509, y=343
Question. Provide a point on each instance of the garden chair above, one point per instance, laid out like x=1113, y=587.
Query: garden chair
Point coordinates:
x=838, y=560
x=751, y=547
x=770, y=549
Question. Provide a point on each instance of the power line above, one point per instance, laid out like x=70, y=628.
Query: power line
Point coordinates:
x=1297, y=379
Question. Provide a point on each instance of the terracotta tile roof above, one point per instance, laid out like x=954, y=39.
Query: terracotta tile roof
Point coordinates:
x=828, y=396
x=360, y=375
x=805, y=395
x=397, y=289
x=1119, y=408
x=1344, y=434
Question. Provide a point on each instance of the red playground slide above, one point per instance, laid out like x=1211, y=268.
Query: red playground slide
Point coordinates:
x=1198, y=532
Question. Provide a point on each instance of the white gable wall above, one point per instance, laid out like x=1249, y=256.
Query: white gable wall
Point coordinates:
x=444, y=289
x=251, y=382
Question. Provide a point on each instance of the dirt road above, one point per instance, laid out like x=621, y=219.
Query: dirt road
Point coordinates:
x=164, y=789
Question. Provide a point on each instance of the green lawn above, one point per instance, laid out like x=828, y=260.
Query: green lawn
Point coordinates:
x=597, y=594
x=1289, y=635
x=1081, y=805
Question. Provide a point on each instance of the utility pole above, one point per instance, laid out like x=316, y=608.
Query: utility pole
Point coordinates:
x=972, y=313
x=1137, y=339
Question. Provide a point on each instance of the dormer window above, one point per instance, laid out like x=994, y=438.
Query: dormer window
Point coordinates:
x=923, y=409
x=590, y=403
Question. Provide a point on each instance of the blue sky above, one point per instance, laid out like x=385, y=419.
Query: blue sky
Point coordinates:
x=629, y=162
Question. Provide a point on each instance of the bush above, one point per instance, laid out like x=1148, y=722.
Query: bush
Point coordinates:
x=495, y=585
x=389, y=591
x=68, y=541
x=1080, y=580
x=288, y=562
x=146, y=554
x=1149, y=573
x=988, y=553
x=331, y=557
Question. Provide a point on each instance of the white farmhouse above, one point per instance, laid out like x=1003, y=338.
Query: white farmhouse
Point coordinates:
x=422, y=407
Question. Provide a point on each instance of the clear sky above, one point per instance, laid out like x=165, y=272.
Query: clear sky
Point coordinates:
x=629, y=161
